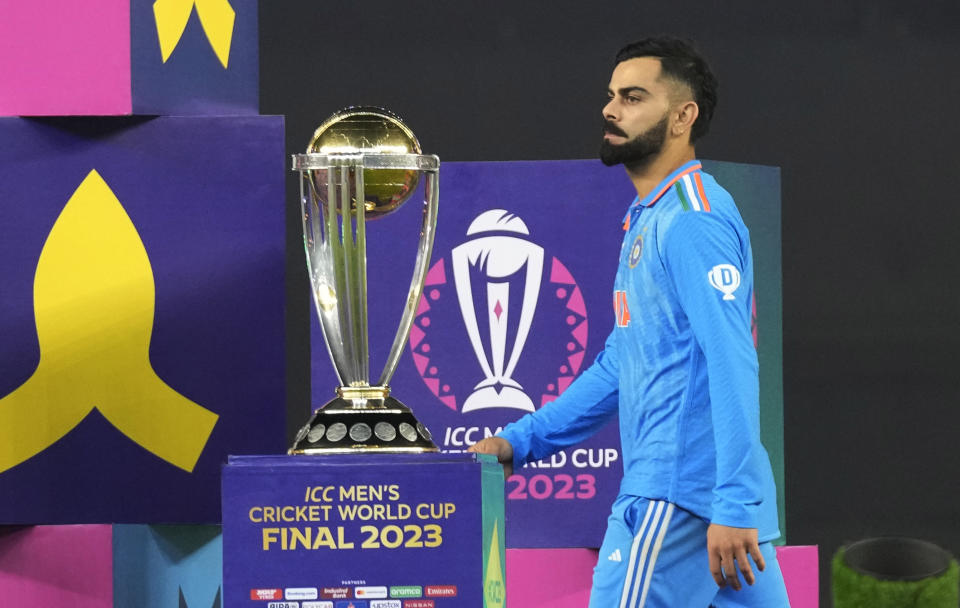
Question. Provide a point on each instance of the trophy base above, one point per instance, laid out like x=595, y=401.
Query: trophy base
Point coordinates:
x=380, y=427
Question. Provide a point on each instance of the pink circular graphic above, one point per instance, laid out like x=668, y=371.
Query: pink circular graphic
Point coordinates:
x=440, y=317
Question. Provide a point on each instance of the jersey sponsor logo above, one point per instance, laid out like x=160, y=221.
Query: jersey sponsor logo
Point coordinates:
x=726, y=279
x=496, y=292
x=615, y=556
x=620, y=309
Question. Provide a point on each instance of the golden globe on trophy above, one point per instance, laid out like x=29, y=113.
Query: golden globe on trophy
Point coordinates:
x=361, y=164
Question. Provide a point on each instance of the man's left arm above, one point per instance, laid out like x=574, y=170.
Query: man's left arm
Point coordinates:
x=712, y=274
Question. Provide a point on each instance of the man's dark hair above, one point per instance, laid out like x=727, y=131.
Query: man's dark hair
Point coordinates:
x=680, y=61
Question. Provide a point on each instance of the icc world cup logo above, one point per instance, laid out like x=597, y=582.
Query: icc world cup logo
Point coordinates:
x=500, y=297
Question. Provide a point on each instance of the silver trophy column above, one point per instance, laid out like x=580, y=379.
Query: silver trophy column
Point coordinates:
x=361, y=164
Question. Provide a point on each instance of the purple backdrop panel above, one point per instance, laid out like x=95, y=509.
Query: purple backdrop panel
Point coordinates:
x=356, y=528
x=141, y=309
x=62, y=57
x=518, y=301
x=57, y=566
x=554, y=290
x=194, y=58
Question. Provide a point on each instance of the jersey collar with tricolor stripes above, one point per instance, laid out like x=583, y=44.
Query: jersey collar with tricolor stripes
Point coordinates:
x=657, y=193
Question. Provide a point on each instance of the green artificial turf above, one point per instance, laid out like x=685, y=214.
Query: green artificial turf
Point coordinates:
x=854, y=590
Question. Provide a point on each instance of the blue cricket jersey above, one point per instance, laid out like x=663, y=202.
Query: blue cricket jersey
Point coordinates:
x=680, y=365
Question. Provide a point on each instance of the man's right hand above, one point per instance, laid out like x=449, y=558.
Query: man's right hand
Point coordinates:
x=500, y=448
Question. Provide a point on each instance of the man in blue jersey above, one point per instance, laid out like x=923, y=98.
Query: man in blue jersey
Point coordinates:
x=696, y=512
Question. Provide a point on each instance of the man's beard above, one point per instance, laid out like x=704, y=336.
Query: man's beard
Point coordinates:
x=638, y=150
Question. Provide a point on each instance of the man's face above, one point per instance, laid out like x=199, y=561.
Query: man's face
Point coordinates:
x=636, y=116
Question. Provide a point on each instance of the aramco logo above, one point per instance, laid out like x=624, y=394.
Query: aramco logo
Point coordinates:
x=501, y=323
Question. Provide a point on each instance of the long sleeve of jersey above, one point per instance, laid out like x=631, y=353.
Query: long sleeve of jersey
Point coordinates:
x=712, y=272
x=587, y=404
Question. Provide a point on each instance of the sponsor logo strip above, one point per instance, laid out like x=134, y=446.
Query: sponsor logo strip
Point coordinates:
x=370, y=592
x=266, y=594
x=336, y=593
x=403, y=591
x=300, y=593
x=440, y=591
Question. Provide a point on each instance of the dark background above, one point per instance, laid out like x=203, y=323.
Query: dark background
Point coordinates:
x=855, y=100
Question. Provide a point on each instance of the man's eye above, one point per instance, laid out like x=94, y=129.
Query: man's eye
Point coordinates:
x=633, y=99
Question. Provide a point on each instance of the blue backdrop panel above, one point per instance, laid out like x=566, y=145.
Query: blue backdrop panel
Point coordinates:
x=167, y=566
x=549, y=254
x=141, y=313
x=194, y=79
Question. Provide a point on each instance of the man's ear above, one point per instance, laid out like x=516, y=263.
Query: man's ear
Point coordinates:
x=683, y=118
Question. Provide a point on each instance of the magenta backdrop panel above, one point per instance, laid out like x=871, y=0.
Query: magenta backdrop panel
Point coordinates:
x=64, y=566
x=60, y=57
x=801, y=572
x=570, y=571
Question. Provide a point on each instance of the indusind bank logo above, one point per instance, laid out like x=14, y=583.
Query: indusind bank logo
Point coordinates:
x=502, y=322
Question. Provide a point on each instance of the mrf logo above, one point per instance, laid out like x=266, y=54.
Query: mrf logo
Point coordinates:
x=93, y=300
x=483, y=305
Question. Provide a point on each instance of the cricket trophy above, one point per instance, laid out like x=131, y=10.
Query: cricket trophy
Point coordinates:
x=361, y=164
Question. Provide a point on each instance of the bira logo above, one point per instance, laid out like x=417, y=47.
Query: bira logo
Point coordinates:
x=484, y=305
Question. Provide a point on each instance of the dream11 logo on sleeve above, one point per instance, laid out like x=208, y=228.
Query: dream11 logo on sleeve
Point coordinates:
x=501, y=327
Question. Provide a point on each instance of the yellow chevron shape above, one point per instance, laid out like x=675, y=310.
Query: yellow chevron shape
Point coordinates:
x=216, y=16
x=93, y=296
x=494, y=588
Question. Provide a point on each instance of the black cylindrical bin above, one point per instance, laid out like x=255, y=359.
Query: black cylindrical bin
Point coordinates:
x=895, y=572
